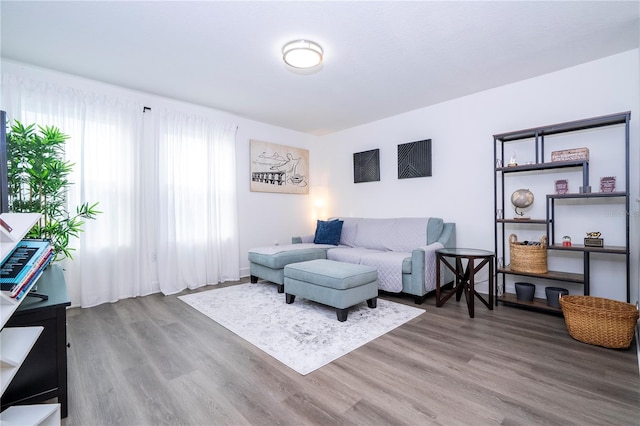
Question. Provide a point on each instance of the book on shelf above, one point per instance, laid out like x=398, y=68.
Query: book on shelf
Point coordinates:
x=33, y=276
x=24, y=264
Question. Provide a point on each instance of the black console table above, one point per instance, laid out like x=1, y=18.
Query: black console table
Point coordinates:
x=43, y=375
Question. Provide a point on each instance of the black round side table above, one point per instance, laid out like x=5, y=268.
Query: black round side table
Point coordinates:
x=464, y=276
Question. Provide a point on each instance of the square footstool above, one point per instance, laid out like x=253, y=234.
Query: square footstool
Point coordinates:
x=336, y=284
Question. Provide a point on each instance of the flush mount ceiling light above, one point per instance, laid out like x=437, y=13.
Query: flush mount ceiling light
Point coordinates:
x=302, y=54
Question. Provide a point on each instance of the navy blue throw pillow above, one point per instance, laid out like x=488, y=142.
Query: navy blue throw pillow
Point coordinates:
x=328, y=232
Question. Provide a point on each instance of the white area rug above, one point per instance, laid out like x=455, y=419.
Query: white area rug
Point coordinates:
x=303, y=335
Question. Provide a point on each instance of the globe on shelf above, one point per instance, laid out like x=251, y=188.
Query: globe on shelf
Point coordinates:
x=521, y=199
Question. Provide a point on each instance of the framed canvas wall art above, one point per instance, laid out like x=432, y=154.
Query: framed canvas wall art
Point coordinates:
x=279, y=168
x=366, y=166
x=414, y=159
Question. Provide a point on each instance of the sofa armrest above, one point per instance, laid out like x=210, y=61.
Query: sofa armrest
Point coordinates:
x=417, y=262
x=423, y=270
x=448, y=240
x=420, y=256
x=448, y=235
x=415, y=283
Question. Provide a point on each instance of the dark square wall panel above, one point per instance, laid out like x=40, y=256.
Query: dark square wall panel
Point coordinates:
x=366, y=166
x=414, y=159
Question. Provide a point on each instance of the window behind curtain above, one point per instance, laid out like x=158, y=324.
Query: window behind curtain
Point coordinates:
x=171, y=204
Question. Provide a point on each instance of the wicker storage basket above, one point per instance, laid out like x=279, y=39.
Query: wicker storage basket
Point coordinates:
x=525, y=258
x=599, y=321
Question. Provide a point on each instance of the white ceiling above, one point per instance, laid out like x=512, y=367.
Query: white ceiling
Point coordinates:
x=381, y=58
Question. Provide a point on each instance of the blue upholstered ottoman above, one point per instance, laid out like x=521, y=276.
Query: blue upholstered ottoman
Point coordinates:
x=268, y=262
x=337, y=284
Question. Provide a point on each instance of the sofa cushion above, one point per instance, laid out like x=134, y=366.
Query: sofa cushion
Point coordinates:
x=328, y=232
x=353, y=255
x=349, y=231
x=401, y=234
x=276, y=257
x=406, y=264
x=389, y=266
x=372, y=233
x=407, y=234
x=349, y=254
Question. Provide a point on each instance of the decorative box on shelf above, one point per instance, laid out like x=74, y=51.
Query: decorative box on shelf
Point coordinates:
x=608, y=184
x=593, y=240
x=562, y=186
x=570, y=154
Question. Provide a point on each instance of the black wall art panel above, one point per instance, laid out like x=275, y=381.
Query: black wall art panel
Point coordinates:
x=414, y=159
x=366, y=166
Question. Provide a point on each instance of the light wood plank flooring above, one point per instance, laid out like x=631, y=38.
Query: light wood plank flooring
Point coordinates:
x=155, y=361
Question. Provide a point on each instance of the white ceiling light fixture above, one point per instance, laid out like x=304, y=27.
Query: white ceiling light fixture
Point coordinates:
x=302, y=54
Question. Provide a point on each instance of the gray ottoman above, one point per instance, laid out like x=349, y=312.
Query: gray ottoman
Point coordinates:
x=268, y=262
x=337, y=284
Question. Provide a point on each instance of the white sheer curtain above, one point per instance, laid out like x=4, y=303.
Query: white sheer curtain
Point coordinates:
x=197, y=229
x=167, y=196
x=109, y=261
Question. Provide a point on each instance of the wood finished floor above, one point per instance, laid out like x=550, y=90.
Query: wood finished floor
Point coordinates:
x=155, y=361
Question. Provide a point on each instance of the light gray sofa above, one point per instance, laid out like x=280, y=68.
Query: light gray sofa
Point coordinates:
x=401, y=249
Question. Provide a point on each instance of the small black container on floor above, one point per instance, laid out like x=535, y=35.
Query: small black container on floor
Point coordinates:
x=553, y=294
x=525, y=291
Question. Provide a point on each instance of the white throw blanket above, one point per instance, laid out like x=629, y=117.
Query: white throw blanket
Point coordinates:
x=430, y=260
x=288, y=247
x=389, y=267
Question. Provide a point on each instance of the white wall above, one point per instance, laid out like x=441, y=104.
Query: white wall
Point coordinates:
x=461, y=188
x=269, y=218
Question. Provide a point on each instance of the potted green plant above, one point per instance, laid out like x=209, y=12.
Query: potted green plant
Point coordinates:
x=38, y=182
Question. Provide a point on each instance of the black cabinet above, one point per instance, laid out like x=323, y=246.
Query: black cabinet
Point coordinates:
x=43, y=375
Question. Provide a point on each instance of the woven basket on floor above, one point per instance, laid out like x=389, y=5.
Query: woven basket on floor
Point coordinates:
x=526, y=258
x=599, y=321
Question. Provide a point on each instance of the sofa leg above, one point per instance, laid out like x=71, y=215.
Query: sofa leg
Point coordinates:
x=372, y=303
x=419, y=299
x=342, y=314
x=289, y=298
x=280, y=288
x=254, y=279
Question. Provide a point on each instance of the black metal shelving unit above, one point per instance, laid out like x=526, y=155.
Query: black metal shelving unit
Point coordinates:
x=500, y=238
